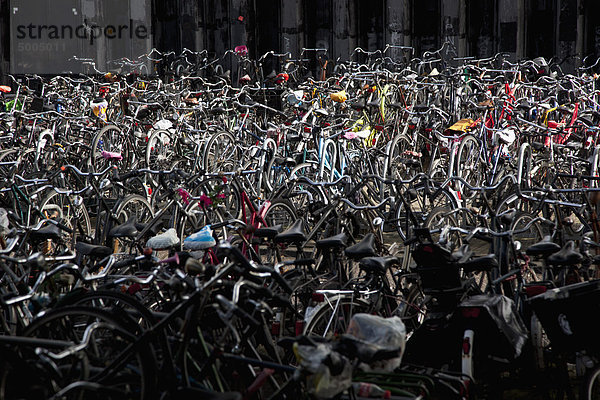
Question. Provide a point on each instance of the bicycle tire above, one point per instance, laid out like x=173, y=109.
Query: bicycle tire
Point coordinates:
x=468, y=163
x=58, y=324
x=524, y=166
x=133, y=205
x=159, y=150
x=53, y=206
x=424, y=200
x=327, y=316
x=111, y=139
x=591, y=388
x=221, y=153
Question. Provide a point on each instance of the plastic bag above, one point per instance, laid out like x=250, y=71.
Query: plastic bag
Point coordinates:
x=3, y=221
x=328, y=372
x=386, y=333
x=339, y=97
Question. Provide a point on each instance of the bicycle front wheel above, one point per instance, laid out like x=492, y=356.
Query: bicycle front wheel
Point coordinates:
x=591, y=389
x=332, y=317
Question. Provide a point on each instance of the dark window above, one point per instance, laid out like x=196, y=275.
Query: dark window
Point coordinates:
x=480, y=27
x=426, y=25
x=541, y=28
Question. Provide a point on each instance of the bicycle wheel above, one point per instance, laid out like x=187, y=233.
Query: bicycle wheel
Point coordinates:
x=280, y=212
x=196, y=218
x=113, y=140
x=70, y=211
x=524, y=166
x=121, y=304
x=422, y=198
x=591, y=388
x=469, y=165
x=132, y=206
x=437, y=220
x=525, y=239
x=332, y=317
x=134, y=378
x=412, y=307
x=401, y=165
x=301, y=200
x=222, y=153
x=159, y=150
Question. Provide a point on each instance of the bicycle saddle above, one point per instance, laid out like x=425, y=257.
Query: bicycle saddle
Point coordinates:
x=164, y=240
x=126, y=230
x=374, y=103
x=92, y=250
x=566, y=256
x=333, y=242
x=362, y=249
x=477, y=264
x=378, y=265
x=508, y=218
x=286, y=161
x=293, y=234
x=217, y=110
x=420, y=108
x=462, y=254
x=49, y=231
x=396, y=105
x=358, y=105
x=544, y=248
x=268, y=232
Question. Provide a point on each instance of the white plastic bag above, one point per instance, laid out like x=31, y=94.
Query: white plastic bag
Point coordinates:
x=387, y=333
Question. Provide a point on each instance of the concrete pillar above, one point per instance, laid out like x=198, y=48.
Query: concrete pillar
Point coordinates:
x=566, y=49
x=450, y=14
x=521, y=29
x=580, y=43
x=508, y=31
x=462, y=28
x=407, y=23
x=341, y=29
x=292, y=27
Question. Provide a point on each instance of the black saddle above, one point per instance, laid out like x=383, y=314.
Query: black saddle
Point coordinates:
x=294, y=234
x=268, y=232
x=566, y=256
x=362, y=249
x=333, y=242
x=378, y=265
x=93, y=251
x=544, y=248
x=125, y=230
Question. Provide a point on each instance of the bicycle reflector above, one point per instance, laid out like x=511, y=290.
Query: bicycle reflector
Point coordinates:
x=318, y=297
x=471, y=312
x=534, y=290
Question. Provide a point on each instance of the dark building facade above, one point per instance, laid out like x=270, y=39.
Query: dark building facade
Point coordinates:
x=566, y=29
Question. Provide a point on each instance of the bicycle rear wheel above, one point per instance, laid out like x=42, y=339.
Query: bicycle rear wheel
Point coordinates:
x=332, y=317
x=133, y=379
x=591, y=388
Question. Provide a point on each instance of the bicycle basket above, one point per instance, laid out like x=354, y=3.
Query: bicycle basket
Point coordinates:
x=435, y=267
x=566, y=314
